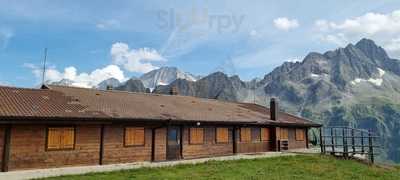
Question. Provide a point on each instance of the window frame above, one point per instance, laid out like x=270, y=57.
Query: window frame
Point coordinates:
x=190, y=136
x=269, y=134
x=302, y=132
x=280, y=133
x=252, y=131
x=216, y=135
x=59, y=149
x=241, y=139
x=134, y=145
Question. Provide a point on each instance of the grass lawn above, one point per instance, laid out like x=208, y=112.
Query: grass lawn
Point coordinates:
x=295, y=167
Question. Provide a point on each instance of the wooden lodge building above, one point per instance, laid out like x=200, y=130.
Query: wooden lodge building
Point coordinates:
x=60, y=126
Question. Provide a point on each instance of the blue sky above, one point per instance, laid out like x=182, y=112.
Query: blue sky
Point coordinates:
x=89, y=41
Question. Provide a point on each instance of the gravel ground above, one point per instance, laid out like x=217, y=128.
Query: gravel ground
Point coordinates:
x=41, y=173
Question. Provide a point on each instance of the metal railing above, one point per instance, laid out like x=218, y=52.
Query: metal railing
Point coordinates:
x=348, y=142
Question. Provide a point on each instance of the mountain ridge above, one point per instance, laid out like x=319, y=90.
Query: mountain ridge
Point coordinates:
x=356, y=85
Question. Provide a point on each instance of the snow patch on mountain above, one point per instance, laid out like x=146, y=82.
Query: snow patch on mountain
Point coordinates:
x=164, y=76
x=376, y=81
x=314, y=75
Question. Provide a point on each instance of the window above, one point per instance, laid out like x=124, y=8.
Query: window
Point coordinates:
x=245, y=134
x=222, y=135
x=300, y=135
x=255, y=134
x=265, y=136
x=60, y=138
x=134, y=136
x=196, y=136
x=284, y=133
x=173, y=135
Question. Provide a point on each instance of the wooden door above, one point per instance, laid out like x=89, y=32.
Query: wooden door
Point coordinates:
x=174, y=143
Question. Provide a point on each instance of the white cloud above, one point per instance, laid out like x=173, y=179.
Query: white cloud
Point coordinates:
x=338, y=39
x=2, y=83
x=286, y=24
x=393, y=46
x=83, y=79
x=383, y=28
x=135, y=60
x=5, y=35
x=253, y=33
x=108, y=24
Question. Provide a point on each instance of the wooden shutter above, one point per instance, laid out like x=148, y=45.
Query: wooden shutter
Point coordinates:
x=265, y=136
x=284, y=133
x=59, y=138
x=300, y=134
x=196, y=136
x=68, y=138
x=128, y=139
x=134, y=136
x=139, y=136
x=245, y=134
x=54, y=138
x=222, y=135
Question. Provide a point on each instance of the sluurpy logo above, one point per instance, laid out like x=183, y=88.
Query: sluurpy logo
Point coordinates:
x=199, y=18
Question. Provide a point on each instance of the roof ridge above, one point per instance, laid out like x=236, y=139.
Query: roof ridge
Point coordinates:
x=19, y=88
x=141, y=93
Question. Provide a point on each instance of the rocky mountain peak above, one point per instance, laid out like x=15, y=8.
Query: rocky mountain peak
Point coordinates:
x=218, y=74
x=372, y=50
x=133, y=85
x=313, y=55
x=112, y=82
x=164, y=76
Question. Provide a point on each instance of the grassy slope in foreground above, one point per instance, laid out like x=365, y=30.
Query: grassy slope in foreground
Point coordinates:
x=296, y=167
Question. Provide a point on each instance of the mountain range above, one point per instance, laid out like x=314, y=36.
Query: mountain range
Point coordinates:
x=356, y=86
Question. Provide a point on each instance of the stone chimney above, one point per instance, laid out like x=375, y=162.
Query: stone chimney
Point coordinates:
x=274, y=109
x=173, y=91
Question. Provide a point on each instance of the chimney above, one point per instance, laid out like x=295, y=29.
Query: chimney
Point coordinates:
x=173, y=91
x=274, y=109
x=109, y=87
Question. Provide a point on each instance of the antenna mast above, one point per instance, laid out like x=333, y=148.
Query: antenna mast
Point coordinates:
x=44, y=66
x=254, y=91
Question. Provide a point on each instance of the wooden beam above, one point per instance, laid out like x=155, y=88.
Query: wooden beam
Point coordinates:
x=234, y=140
x=181, y=130
x=101, y=154
x=153, y=144
x=6, y=148
x=277, y=139
x=307, y=141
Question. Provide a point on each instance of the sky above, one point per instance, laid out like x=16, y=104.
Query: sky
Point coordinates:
x=90, y=41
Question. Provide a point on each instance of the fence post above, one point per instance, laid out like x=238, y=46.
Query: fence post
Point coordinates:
x=344, y=143
x=371, y=148
x=353, y=141
x=333, y=141
x=321, y=140
x=362, y=142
